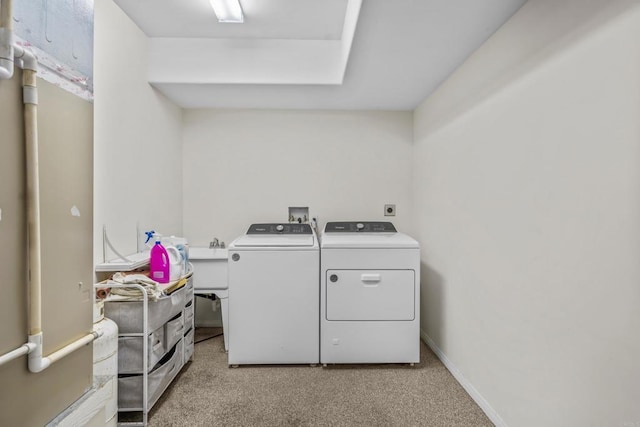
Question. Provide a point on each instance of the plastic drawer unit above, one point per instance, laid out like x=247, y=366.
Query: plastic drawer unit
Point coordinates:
x=155, y=341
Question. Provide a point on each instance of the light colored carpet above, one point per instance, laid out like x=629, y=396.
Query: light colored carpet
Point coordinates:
x=209, y=393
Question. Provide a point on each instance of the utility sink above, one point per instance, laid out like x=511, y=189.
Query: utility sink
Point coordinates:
x=210, y=277
x=209, y=268
x=207, y=253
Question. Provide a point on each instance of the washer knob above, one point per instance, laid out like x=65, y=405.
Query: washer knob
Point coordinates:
x=359, y=226
x=280, y=227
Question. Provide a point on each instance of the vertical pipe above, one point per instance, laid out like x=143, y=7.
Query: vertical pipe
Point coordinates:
x=6, y=39
x=33, y=203
x=6, y=13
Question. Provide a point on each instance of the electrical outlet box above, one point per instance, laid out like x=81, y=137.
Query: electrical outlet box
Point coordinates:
x=389, y=210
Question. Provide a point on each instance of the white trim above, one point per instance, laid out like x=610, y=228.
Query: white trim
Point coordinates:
x=475, y=394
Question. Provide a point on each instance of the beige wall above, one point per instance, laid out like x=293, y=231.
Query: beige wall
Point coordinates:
x=138, y=149
x=65, y=130
x=247, y=166
x=527, y=205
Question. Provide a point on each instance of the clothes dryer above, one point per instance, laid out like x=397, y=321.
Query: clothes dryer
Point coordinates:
x=273, y=295
x=369, y=294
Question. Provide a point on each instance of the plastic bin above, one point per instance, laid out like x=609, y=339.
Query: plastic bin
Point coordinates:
x=130, y=387
x=173, y=331
x=130, y=352
x=128, y=314
x=189, y=345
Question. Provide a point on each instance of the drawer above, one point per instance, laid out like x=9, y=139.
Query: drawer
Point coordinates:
x=173, y=331
x=130, y=386
x=188, y=314
x=189, y=345
x=128, y=314
x=130, y=352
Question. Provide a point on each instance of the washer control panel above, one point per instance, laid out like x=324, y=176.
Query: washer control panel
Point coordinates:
x=279, y=229
x=359, y=227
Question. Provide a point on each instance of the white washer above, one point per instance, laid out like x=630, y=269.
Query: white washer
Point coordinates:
x=369, y=294
x=273, y=295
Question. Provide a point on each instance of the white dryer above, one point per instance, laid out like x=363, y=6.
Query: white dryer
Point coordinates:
x=369, y=294
x=273, y=295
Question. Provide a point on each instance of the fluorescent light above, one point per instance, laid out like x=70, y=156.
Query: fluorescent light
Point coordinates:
x=228, y=11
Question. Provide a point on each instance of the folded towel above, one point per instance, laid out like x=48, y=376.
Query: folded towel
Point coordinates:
x=139, y=278
x=151, y=286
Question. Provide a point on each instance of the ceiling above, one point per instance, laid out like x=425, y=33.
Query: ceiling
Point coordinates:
x=312, y=54
x=271, y=19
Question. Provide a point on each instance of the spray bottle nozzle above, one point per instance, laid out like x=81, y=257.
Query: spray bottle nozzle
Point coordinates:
x=149, y=235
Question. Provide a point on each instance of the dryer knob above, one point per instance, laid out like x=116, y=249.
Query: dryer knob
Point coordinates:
x=359, y=226
x=280, y=227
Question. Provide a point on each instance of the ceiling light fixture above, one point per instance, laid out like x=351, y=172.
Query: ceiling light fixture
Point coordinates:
x=228, y=11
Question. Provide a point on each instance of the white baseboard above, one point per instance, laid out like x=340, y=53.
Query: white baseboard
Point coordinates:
x=475, y=395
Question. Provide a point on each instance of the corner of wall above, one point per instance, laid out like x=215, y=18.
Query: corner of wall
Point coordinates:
x=464, y=382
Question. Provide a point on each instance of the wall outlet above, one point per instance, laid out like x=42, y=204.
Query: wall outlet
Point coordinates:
x=389, y=210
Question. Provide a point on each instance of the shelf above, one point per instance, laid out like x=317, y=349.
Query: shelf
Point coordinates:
x=157, y=346
x=133, y=262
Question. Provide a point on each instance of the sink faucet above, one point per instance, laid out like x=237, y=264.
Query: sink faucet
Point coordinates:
x=214, y=243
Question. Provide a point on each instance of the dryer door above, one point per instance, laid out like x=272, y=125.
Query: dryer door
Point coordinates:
x=370, y=295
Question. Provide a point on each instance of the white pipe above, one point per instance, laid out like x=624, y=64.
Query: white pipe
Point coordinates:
x=28, y=60
x=33, y=197
x=80, y=342
x=6, y=15
x=6, y=51
x=38, y=362
x=6, y=39
x=20, y=351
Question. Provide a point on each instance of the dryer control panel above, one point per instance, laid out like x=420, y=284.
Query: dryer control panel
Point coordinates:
x=359, y=227
x=279, y=229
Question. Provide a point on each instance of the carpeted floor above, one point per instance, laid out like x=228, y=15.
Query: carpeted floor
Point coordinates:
x=209, y=393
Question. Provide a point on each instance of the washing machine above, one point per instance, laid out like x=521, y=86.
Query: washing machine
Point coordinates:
x=369, y=294
x=273, y=295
